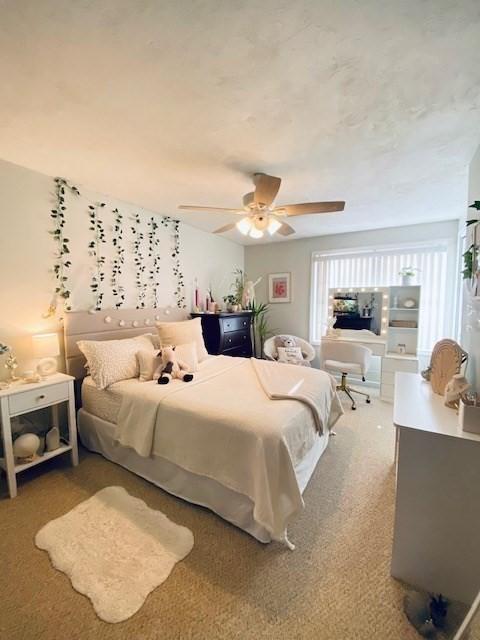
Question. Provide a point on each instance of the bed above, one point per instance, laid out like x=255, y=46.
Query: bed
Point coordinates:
x=220, y=441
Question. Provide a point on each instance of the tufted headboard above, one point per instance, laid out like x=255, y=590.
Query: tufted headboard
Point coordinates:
x=109, y=324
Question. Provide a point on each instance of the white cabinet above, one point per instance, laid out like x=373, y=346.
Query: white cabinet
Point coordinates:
x=391, y=364
x=437, y=514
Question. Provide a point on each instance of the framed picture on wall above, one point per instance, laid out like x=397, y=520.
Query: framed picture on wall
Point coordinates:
x=279, y=287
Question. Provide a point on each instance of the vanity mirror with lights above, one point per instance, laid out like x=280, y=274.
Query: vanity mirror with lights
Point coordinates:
x=384, y=319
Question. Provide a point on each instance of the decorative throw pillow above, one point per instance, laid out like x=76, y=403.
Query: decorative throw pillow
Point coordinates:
x=148, y=361
x=292, y=355
x=188, y=353
x=112, y=360
x=177, y=333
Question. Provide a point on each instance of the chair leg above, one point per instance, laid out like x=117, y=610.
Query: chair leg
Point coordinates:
x=347, y=391
x=344, y=386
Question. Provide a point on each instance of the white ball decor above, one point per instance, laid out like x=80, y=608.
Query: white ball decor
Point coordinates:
x=135, y=323
x=26, y=445
x=107, y=319
x=121, y=323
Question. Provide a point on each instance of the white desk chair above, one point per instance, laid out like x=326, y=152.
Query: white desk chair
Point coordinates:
x=344, y=358
x=308, y=352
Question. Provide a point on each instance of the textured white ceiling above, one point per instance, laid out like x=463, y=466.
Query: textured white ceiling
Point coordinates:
x=163, y=103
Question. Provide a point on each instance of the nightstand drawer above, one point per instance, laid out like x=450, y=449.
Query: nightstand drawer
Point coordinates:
x=43, y=396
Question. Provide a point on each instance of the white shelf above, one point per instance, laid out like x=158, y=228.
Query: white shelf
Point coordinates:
x=403, y=309
x=403, y=328
x=48, y=455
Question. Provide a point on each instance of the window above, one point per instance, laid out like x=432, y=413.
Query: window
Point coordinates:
x=380, y=267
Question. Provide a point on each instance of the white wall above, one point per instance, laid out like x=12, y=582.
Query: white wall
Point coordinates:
x=296, y=255
x=471, y=312
x=26, y=257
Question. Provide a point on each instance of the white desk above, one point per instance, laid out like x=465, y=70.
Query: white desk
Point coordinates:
x=437, y=512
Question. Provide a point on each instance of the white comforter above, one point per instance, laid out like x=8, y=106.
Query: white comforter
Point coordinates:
x=226, y=425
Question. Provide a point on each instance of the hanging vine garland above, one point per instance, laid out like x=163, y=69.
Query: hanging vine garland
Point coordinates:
x=62, y=262
x=154, y=255
x=177, y=270
x=94, y=249
x=118, y=290
x=139, y=262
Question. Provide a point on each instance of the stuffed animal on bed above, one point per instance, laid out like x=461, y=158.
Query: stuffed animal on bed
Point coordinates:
x=171, y=367
x=288, y=351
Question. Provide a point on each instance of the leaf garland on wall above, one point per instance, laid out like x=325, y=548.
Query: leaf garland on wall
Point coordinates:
x=146, y=285
x=177, y=270
x=62, y=262
x=154, y=255
x=118, y=261
x=139, y=261
x=94, y=249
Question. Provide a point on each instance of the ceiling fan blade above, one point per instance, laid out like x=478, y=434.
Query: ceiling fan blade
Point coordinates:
x=266, y=188
x=192, y=207
x=227, y=227
x=311, y=207
x=286, y=230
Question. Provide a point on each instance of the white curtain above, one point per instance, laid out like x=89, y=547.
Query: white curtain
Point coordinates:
x=372, y=268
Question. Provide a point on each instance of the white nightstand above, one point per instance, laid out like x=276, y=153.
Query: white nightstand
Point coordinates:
x=22, y=398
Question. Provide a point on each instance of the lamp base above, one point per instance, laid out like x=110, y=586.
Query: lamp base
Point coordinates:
x=47, y=367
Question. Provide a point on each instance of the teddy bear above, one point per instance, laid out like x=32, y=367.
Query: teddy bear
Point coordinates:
x=171, y=367
x=288, y=351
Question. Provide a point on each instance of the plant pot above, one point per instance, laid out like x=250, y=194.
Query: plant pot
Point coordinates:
x=407, y=281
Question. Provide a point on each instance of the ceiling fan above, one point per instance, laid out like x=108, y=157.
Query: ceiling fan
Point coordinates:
x=261, y=213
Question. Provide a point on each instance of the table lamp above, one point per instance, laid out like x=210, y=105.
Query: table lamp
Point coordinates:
x=46, y=348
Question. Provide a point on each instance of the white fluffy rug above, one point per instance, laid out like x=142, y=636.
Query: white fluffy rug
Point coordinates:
x=115, y=550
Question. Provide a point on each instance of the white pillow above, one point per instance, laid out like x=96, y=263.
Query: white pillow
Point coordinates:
x=289, y=354
x=188, y=353
x=176, y=333
x=112, y=360
x=148, y=361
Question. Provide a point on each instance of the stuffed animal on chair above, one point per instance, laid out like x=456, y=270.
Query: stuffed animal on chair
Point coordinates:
x=289, y=352
x=171, y=367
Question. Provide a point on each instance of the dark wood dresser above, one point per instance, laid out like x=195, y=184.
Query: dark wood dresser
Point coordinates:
x=228, y=334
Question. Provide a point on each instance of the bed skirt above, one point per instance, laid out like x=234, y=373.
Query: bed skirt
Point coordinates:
x=97, y=435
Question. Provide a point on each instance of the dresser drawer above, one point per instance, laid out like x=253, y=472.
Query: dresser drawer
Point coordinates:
x=400, y=364
x=239, y=352
x=236, y=339
x=37, y=398
x=235, y=324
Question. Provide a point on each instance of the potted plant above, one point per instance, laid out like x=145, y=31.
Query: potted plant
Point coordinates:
x=407, y=274
x=230, y=301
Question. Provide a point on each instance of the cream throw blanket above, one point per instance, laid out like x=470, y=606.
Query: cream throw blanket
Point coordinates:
x=225, y=426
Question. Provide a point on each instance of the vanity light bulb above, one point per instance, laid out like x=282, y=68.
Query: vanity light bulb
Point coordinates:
x=244, y=225
x=384, y=332
x=255, y=233
x=385, y=297
x=384, y=308
x=273, y=226
x=384, y=320
x=376, y=289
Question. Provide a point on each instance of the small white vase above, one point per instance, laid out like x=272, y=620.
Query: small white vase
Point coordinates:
x=407, y=281
x=52, y=439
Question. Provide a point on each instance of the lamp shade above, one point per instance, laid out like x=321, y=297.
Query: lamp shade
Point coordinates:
x=45, y=345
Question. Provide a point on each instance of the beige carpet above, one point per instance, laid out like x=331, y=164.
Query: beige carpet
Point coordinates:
x=336, y=584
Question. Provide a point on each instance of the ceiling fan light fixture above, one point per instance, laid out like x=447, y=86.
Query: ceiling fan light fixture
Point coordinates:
x=244, y=225
x=256, y=233
x=273, y=226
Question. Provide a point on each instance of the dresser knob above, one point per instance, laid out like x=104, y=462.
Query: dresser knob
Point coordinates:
x=42, y=397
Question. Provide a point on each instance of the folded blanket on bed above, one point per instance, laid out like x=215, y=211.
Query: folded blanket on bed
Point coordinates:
x=224, y=426
x=287, y=381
